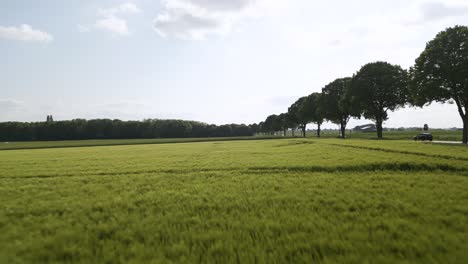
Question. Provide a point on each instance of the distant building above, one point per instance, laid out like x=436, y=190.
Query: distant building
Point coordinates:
x=365, y=128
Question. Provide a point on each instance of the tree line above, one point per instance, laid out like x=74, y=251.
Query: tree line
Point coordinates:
x=439, y=74
x=116, y=129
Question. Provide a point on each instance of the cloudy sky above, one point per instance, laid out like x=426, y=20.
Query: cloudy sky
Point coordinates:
x=217, y=61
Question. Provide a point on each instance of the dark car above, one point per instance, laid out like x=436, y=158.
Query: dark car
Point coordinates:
x=423, y=136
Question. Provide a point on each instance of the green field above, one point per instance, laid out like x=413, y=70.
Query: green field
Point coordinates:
x=438, y=134
x=115, y=142
x=443, y=135
x=255, y=201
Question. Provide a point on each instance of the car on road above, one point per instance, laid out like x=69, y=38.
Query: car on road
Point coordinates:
x=423, y=137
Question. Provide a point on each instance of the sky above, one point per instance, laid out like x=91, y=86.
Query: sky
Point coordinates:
x=216, y=61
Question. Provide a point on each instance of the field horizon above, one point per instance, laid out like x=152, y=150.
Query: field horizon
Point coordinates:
x=438, y=134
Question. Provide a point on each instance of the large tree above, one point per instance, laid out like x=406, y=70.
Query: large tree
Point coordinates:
x=273, y=124
x=291, y=122
x=336, y=105
x=313, y=106
x=441, y=72
x=377, y=88
x=284, y=122
x=298, y=115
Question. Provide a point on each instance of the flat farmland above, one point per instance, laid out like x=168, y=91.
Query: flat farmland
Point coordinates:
x=263, y=201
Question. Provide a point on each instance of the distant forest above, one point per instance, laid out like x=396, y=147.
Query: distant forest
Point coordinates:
x=116, y=129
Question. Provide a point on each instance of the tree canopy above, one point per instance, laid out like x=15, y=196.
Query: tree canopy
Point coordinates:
x=272, y=124
x=299, y=115
x=377, y=88
x=336, y=104
x=117, y=129
x=440, y=73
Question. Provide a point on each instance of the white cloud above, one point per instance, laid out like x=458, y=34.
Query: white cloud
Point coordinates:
x=125, y=8
x=113, y=24
x=24, y=33
x=195, y=19
x=110, y=19
x=129, y=8
x=439, y=10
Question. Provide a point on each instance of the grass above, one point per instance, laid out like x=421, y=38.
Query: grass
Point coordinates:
x=438, y=134
x=265, y=201
x=115, y=142
x=443, y=135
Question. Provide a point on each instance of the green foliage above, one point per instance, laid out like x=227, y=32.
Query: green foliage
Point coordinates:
x=306, y=110
x=284, y=122
x=336, y=103
x=298, y=114
x=313, y=109
x=377, y=88
x=336, y=107
x=116, y=129
x=240, y=201
x=272, y=124
x=440, y=72
x=297, y=111
x=313, y=106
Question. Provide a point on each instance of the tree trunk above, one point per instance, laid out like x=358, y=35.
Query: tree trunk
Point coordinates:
x=292, y=131
x=318, y=129
x=464, y=116
x=284, y=132
x=343, y=130
x=379, y=128
x=465, y=129
x=304, y=130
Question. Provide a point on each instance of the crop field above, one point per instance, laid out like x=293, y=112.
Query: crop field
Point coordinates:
x=445, y=135
x=254, y=201
x=438, y=134
x=115, y=142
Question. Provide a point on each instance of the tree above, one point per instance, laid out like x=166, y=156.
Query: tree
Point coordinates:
x=440, y=73
x=283, y=120
x=377, y=88
x=336, y=105
x=115, y=129
x=291, y=122
x=272, y=124
x=255, y=128
x=261, y=127
x=313, y=110
x=298, y=115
